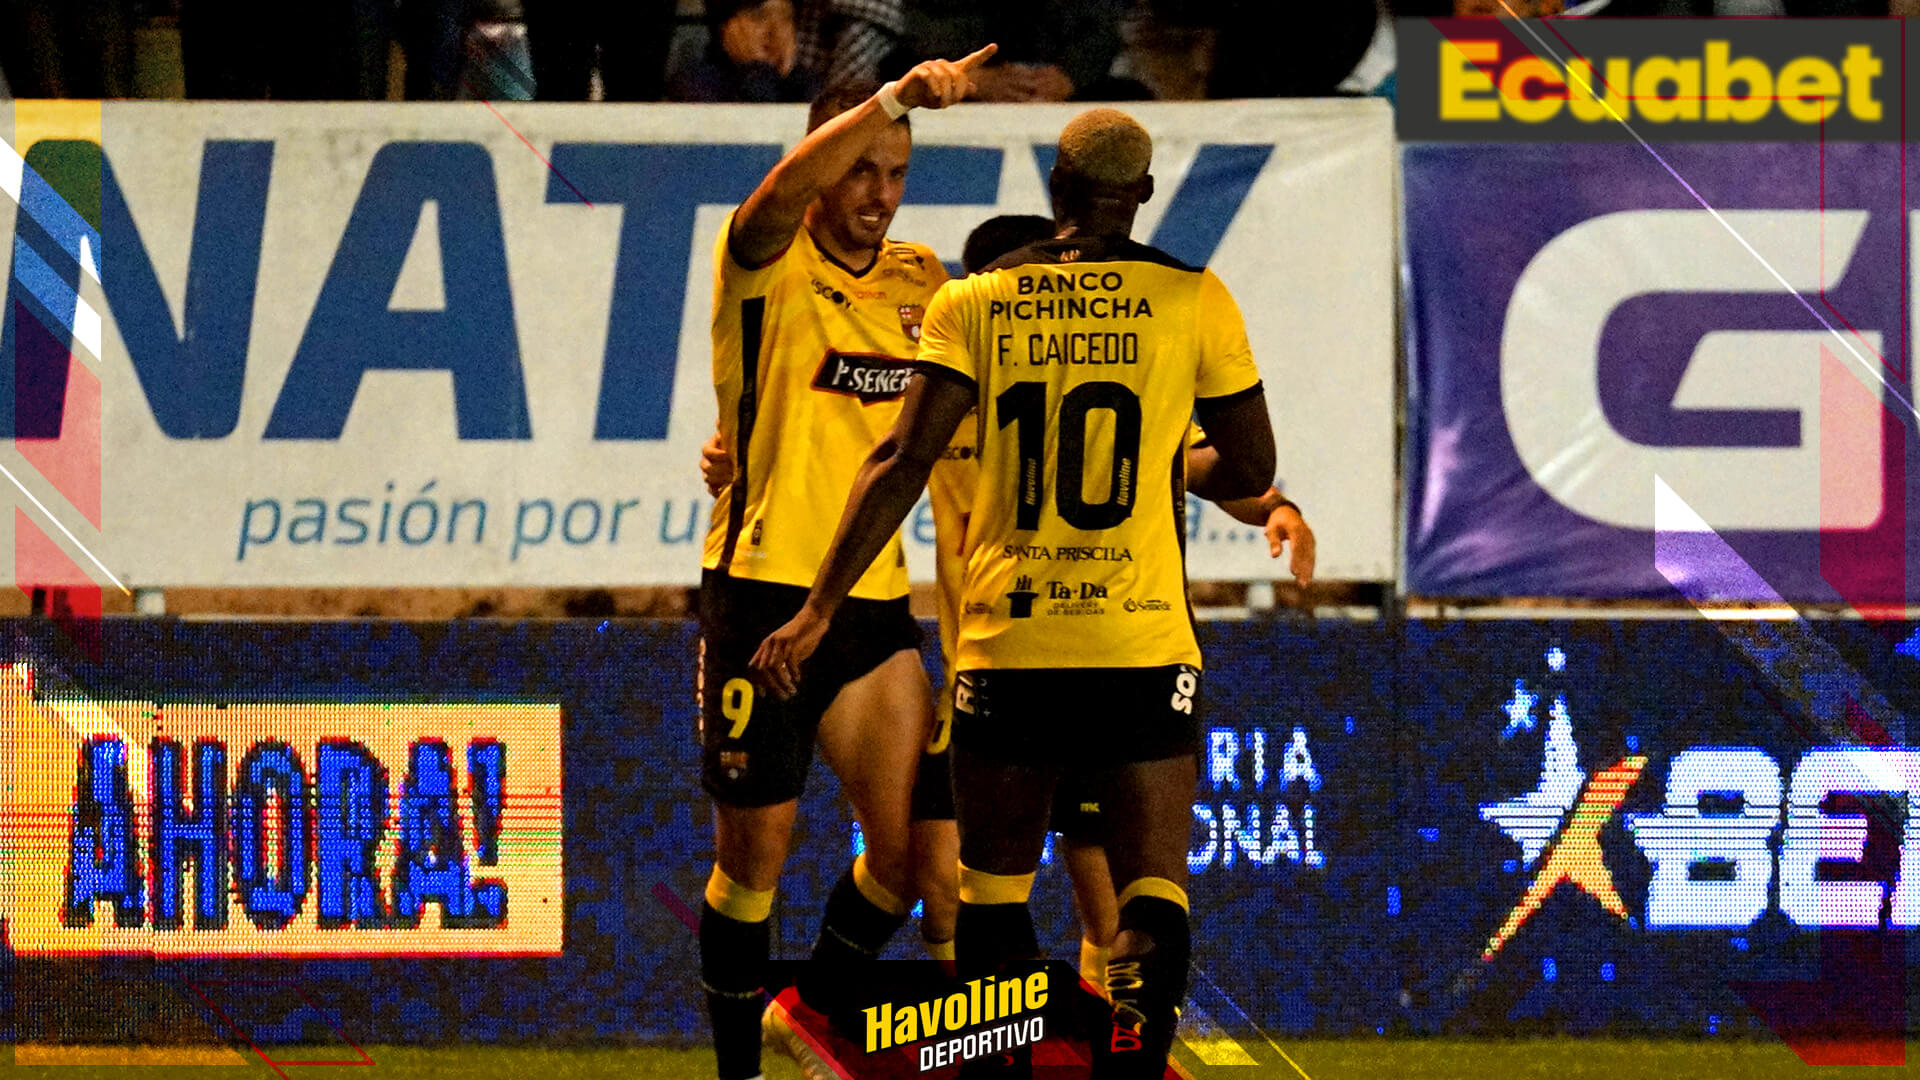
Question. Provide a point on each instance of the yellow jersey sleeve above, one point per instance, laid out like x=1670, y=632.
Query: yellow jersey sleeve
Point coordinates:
x=733, y=276
x=1226, y=357
x=943, y=337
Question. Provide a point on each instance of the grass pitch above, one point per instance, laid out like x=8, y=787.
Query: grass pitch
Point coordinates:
x=1326, y=1059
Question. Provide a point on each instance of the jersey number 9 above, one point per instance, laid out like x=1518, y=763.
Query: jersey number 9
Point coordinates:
x=736, y=704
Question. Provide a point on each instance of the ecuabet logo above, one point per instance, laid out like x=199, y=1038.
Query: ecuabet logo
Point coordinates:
x=1725, y=845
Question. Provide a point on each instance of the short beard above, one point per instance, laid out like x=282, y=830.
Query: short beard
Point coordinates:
x=850, y=238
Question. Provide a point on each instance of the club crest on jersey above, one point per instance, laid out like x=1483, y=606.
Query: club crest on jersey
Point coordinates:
x=910, y=316
x=867, y=376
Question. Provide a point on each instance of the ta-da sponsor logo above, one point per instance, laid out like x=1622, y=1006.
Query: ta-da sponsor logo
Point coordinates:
x=1551, y=377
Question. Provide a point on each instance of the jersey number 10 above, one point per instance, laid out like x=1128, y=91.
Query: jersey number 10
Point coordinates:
x=1024, y=405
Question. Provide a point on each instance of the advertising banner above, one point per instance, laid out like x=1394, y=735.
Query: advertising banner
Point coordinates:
x=1646, y=827
x=1660, y=309
x=1290, y=823
x=269, y=829
x=1608, y=80
x=1687, y=826
x=439, y=345
x=1618, y=350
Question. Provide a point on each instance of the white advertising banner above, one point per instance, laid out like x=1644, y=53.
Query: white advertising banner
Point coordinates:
x=426, y=344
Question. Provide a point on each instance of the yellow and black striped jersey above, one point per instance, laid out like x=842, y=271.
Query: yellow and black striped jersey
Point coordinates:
x=1086, y=355
x=810, y=361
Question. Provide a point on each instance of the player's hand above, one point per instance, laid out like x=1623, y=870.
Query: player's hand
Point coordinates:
x=936, y=84
x=1046, y=82
x=716, y=466
x=1000, y=82
x=745, y=42
x=1285, y=525
x=786, y=49
x=776, y=664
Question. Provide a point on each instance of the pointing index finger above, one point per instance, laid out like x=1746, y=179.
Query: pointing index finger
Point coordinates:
x=978, y=57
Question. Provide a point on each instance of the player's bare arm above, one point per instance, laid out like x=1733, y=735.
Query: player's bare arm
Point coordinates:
x=771, y=216
x=1272, y=512
x=1242, y=436
x=889, y=484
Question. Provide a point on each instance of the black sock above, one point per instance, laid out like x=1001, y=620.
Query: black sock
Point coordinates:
x=1147, y=977
x=733, y=961
x=989, y=939
x=853, y=931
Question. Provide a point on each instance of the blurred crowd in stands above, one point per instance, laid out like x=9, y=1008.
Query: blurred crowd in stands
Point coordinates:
x=741, y=50
x=683, y=50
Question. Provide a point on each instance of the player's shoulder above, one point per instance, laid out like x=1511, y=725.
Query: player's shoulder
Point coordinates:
x=738, y=273
x=906, y=253
x=1127, y=250
x=911, y=271
x=1071, y=250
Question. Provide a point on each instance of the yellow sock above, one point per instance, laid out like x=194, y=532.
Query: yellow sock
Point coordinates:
x=736, y=901
x=1093, y=964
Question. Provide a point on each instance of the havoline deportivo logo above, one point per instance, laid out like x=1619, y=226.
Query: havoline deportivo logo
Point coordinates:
x=1737, y=833
x=871, y=377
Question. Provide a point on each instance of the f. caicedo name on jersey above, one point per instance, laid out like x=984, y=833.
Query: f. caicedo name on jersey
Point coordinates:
x=1087, y=294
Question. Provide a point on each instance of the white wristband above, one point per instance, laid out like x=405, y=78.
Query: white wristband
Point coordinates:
x=890, y=102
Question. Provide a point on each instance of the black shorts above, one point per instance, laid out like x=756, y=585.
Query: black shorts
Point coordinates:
x=1081, y=718
x=933, y=788
x=1078, y=802
x=933, y=784
x=755, y=748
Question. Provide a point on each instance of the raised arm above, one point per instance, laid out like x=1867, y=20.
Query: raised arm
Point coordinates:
x=770, y=217
x=889, y=484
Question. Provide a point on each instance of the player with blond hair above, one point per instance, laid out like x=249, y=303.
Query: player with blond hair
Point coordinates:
x=1083, y=359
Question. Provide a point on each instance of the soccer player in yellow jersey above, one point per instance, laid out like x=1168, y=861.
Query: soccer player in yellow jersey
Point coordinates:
x=1076, y=814
x=815, y=325
x=1085, y=357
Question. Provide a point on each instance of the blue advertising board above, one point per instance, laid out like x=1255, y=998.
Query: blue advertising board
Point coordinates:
x=1659, y=827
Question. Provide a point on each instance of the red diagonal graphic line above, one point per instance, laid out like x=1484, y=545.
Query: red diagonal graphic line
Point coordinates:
x=271, y=1064
x=676, y=905
x=1828, y=304
x=529, y=145
x=1575, y=857
x=785, y=1002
